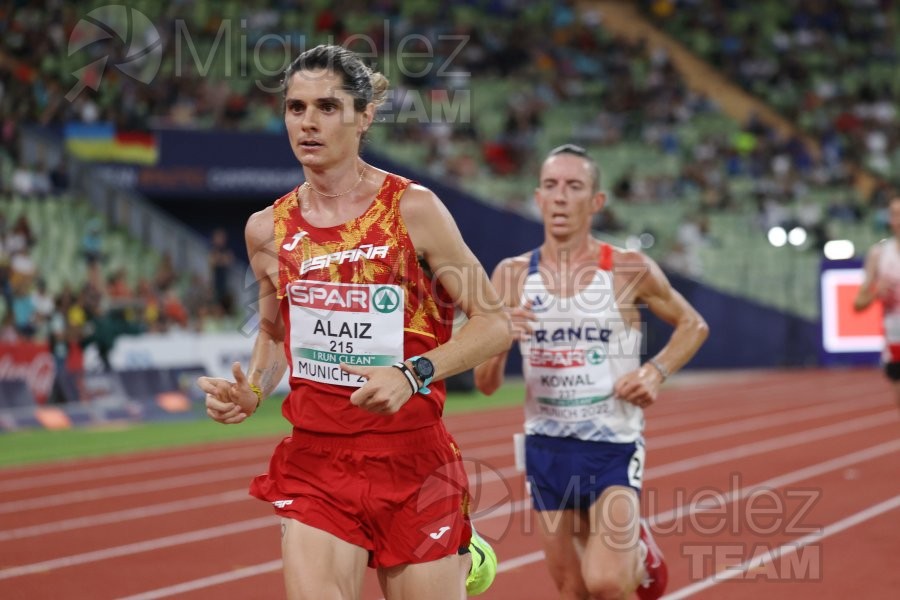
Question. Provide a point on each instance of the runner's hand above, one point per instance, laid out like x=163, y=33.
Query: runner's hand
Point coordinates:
x=385, y=391
x=521, y=320
x=226, y=401
x=639, y=387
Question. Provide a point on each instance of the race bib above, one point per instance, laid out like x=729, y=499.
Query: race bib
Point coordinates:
x=567, y=383
x=331, y=323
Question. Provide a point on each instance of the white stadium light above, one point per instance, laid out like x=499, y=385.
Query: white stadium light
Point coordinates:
x=777, y=237
x=633, y=242
x=797, y=236
x=839, y=250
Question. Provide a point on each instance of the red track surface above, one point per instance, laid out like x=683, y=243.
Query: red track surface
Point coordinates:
x=773, y=459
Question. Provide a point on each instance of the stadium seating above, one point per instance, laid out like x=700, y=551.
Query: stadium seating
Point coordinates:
x=573, y=70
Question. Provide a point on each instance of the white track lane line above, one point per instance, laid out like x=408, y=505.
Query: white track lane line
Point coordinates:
x=130, y=514
x=205, y=582
x=787, y=549
x=521, y=505
x=130, y=489
x=677, y=467
x=772, y=444
x=179, y=539
x=486, y=434
x=169, y=463
x=756, y=423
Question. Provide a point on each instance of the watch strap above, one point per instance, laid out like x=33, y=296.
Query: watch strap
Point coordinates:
x=410, y=377
x=424, y=389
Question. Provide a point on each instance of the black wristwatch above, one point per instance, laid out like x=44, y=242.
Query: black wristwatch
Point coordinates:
x=424, y=370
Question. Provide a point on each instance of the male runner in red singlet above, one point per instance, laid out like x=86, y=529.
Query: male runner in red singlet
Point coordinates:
x=882, y=282
x=359, y=273
x=574, y=306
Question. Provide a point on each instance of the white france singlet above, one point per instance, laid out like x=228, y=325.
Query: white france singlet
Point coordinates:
x=889, y=273
x=579, y=348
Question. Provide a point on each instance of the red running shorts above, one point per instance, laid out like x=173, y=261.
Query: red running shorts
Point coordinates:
x=401, y=496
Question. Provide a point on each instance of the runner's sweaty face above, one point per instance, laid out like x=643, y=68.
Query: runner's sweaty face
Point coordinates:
x=322, y=124
x=565, y=195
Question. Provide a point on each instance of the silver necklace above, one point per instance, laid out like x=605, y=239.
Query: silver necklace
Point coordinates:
x=358, y=181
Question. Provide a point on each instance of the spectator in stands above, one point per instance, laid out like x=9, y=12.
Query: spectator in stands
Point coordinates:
x=59, y=176
x=197, y=296
x=44, y=306
x=221, y=260
x=149, y=300
x=20, y=237
x=92, y=241
x=8, y=333
x=5, y=285
x=23, y=310
x=607, y=221
x=117, y=287
x=172, y=308
x=22, y=268
x=165, y=276
x=843, y=209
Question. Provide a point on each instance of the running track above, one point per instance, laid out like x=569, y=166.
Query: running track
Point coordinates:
x=781, y=484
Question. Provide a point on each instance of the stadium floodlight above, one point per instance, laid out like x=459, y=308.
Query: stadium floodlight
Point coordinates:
x=633, y=242
x=777, y=236
x=839, y=249
x=797, y=236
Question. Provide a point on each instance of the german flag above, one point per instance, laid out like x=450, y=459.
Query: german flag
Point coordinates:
x=102, y=143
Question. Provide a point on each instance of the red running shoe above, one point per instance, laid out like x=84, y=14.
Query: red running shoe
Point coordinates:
x=657, y=573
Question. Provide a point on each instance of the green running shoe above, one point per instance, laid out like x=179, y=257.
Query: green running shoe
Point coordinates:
x=484, y=565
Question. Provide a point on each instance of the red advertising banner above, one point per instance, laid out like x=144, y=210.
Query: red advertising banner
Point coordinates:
x=31, y=363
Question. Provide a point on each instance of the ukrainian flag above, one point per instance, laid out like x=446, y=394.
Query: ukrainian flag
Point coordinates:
x=102, y=143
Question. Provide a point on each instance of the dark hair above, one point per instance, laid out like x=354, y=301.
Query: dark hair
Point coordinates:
x=359, y=80
x=580, y=152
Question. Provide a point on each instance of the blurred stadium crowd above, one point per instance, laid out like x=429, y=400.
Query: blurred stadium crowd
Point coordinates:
x=530, y=75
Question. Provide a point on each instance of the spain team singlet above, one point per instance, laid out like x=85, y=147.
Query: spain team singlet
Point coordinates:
x=579, y=347
x=889, y=272
x=355, y=293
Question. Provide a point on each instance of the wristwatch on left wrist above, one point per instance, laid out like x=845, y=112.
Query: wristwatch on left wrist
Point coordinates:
x=424, y=371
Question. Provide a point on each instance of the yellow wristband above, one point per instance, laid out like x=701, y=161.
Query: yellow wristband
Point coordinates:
x=256, y=390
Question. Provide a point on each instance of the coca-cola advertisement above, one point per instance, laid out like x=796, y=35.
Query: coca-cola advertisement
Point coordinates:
x=29, y=362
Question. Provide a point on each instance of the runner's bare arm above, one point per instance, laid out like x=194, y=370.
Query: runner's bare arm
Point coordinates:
x=435, y=236
x=232, y=402
x=868, y=291
x=268, y=362
x=690, y=330
x=508, y=278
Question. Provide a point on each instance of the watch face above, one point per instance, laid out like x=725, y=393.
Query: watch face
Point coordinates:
x=424, y=369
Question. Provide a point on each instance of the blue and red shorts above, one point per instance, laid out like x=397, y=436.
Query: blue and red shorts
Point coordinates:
x=401, y=496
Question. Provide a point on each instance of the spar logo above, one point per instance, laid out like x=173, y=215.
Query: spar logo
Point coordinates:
x=329, y=296
x=556, y=359
x=386, y=299
x=596, y=355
